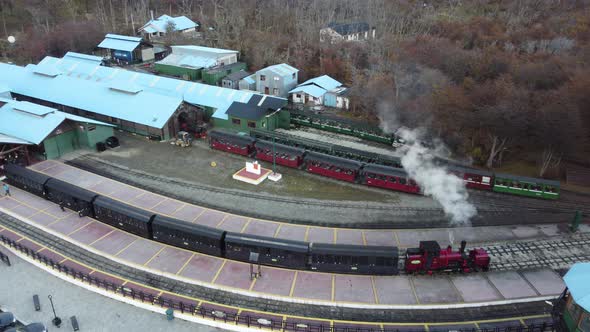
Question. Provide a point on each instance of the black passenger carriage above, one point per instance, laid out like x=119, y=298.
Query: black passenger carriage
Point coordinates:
x=346, y=258
x=276, y=252
x=123, y=216
x=26, y=179
x=187, y=235
x=71, y=196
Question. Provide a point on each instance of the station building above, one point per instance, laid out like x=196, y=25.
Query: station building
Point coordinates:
x=575, y=314
x=141, y=103
x=29, y=130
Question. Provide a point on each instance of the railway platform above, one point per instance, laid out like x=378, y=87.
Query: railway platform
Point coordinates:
x=379, y=292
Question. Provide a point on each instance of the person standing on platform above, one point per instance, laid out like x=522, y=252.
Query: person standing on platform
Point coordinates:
x=6, y=190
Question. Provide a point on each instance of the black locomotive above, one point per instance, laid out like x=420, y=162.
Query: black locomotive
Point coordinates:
x=322, y=257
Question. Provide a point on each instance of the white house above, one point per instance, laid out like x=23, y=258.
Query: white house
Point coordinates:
x=200, y=56
x=157, y=27
x=336, y=32
x=276, y=80
x=313, y=90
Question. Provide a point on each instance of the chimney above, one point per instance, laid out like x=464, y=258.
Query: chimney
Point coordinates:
x=463, y=244
x=152, y=14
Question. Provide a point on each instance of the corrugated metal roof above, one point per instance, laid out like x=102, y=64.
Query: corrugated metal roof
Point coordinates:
x=250, y=79
x=143, y=107
x=120, y=43
x=181, y=60
x=325, y=82
x=25, y=121
x=576, y=280
x=159, y=24
x=195, y=48
x=79, y=56
x=191, y=92
x=5, y=139
x=282, y=69
x=311, y=90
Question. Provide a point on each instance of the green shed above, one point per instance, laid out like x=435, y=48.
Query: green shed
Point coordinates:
x=214, y=75
x=187, y=73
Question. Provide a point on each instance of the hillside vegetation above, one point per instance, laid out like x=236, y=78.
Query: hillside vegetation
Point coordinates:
x=497, y=81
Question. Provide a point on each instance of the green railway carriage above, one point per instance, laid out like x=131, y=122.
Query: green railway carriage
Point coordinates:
x=525, y=186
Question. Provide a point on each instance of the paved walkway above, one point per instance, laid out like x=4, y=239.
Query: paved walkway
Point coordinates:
x=94, y=312
x=276, y=283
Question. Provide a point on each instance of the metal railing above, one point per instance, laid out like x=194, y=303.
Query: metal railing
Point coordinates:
x=214, y=313
x=4, y=258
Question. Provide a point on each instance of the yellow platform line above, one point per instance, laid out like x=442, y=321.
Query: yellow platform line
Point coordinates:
x=335, y=236
x=364, y=237
x=293, y=283
x=522, y=322
x=139, y=195
x=100, y=238
x=200, y=213
x=22, y=238
x=278, y=230
x=476, y=325
x=252, y=284
x=185, y=264
x=284, y=322
x=79, y=228
x=63, y=260
x=396, y=238
x=2, y=230
x=245, y=225
x=218, y=271
x=222, y=220
x=331, y=322
x=306, y=233
x=160, y=202
x=414, y=290
x=178, y=208
x=127, y=246
x=36, y=209
x=41, y=249
x=154, y=256
x=333, y=287
x=374, y=289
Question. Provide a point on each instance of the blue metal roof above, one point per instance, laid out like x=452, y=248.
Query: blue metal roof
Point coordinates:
x=250, y=79
x=191, y=92
x=203, y=49
x=23, y=121
x=325, y=82
x=577, y=280
x=80, y=56
x=92, y=93
x=159, y=24
x=120, y=43
x=11, y=140
x=281, y=69
x=311, y=90
x=182, y=60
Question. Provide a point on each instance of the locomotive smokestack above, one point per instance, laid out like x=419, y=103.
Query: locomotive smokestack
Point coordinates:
x=463, y=244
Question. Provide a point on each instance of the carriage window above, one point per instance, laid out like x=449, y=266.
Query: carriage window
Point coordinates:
x=402, y=181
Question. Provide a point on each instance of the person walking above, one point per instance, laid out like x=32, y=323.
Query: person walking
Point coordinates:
x=6, y=190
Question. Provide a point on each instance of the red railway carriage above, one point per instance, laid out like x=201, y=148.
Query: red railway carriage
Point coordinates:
x=330, y=166
x=389, y=178
x=234, y=143
x=285, y=155
x=474, y=178
x=429, y=257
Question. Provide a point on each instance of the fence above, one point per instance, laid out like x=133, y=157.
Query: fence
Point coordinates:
x=216, y=314
x=4, y=258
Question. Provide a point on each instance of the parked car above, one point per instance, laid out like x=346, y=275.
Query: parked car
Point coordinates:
x=33, y=327
x=6, y=319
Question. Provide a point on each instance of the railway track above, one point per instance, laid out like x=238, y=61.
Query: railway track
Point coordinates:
x=278, y=307
x=397, y=216
x=565, y=203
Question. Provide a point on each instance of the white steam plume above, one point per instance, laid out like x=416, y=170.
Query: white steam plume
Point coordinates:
x=435, y=180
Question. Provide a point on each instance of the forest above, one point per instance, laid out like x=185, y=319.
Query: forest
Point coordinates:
x=499, y=81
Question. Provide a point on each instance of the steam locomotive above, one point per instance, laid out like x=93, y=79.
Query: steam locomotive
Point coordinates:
x=324, y=257
x=375, y=175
